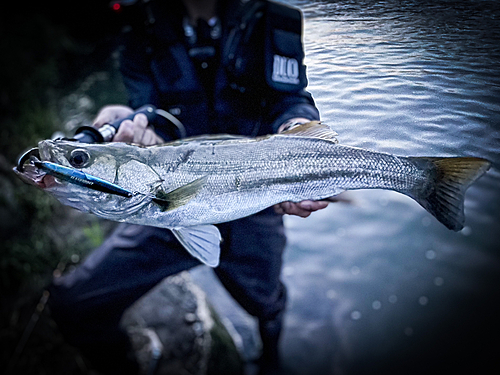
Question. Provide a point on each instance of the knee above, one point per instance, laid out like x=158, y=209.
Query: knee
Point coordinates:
x=79, y=319
x=63, y=305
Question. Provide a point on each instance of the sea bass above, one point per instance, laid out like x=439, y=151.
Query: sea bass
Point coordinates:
x=192, y=184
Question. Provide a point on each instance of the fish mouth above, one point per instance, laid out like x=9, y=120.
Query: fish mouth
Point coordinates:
x=34, y=176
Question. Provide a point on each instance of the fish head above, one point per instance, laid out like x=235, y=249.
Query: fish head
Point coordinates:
x=92, y=159
x=118, y=163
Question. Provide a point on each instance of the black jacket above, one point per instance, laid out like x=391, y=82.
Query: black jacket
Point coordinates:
x=257, y=82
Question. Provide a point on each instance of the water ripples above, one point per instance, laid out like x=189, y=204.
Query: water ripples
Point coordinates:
x=432, y=71
x=410, y=78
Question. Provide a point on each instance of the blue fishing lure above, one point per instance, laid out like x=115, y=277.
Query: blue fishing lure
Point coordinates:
x=77, y=177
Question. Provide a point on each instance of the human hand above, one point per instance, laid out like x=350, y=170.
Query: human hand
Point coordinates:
x=302, y=209
x=134, y=131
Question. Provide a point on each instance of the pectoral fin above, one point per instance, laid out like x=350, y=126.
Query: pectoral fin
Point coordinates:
x=202, y=242
x=180, y=196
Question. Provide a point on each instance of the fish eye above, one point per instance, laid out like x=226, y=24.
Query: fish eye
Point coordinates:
x=79, y=158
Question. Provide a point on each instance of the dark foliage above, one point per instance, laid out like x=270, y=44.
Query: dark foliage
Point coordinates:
x=48, y=50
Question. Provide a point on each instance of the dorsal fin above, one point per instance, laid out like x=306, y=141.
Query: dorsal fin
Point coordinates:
x=314, y=129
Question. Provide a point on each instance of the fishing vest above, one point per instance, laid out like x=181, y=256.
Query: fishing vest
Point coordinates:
x=260, y=52
x=281, y=61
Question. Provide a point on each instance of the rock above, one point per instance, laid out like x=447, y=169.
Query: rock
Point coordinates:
x=174, y=330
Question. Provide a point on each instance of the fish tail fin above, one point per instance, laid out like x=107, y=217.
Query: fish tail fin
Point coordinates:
x=443, y=195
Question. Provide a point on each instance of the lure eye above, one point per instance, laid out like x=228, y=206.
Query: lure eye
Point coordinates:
x=79, y=158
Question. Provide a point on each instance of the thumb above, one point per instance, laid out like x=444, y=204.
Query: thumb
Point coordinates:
x=110, y=114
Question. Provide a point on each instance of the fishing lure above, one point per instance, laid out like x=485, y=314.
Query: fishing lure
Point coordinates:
x=77, y=177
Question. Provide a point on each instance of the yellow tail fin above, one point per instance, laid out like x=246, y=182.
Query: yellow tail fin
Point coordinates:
x=444, y=194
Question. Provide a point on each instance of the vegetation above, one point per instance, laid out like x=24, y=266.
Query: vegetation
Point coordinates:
x=52, y=70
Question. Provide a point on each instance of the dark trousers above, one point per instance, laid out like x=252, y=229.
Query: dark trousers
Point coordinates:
x=88, y=303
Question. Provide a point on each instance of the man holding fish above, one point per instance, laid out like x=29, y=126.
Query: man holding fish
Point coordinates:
x=219, y=67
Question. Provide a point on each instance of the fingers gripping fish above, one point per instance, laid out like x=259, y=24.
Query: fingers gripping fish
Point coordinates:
x=192, y=184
